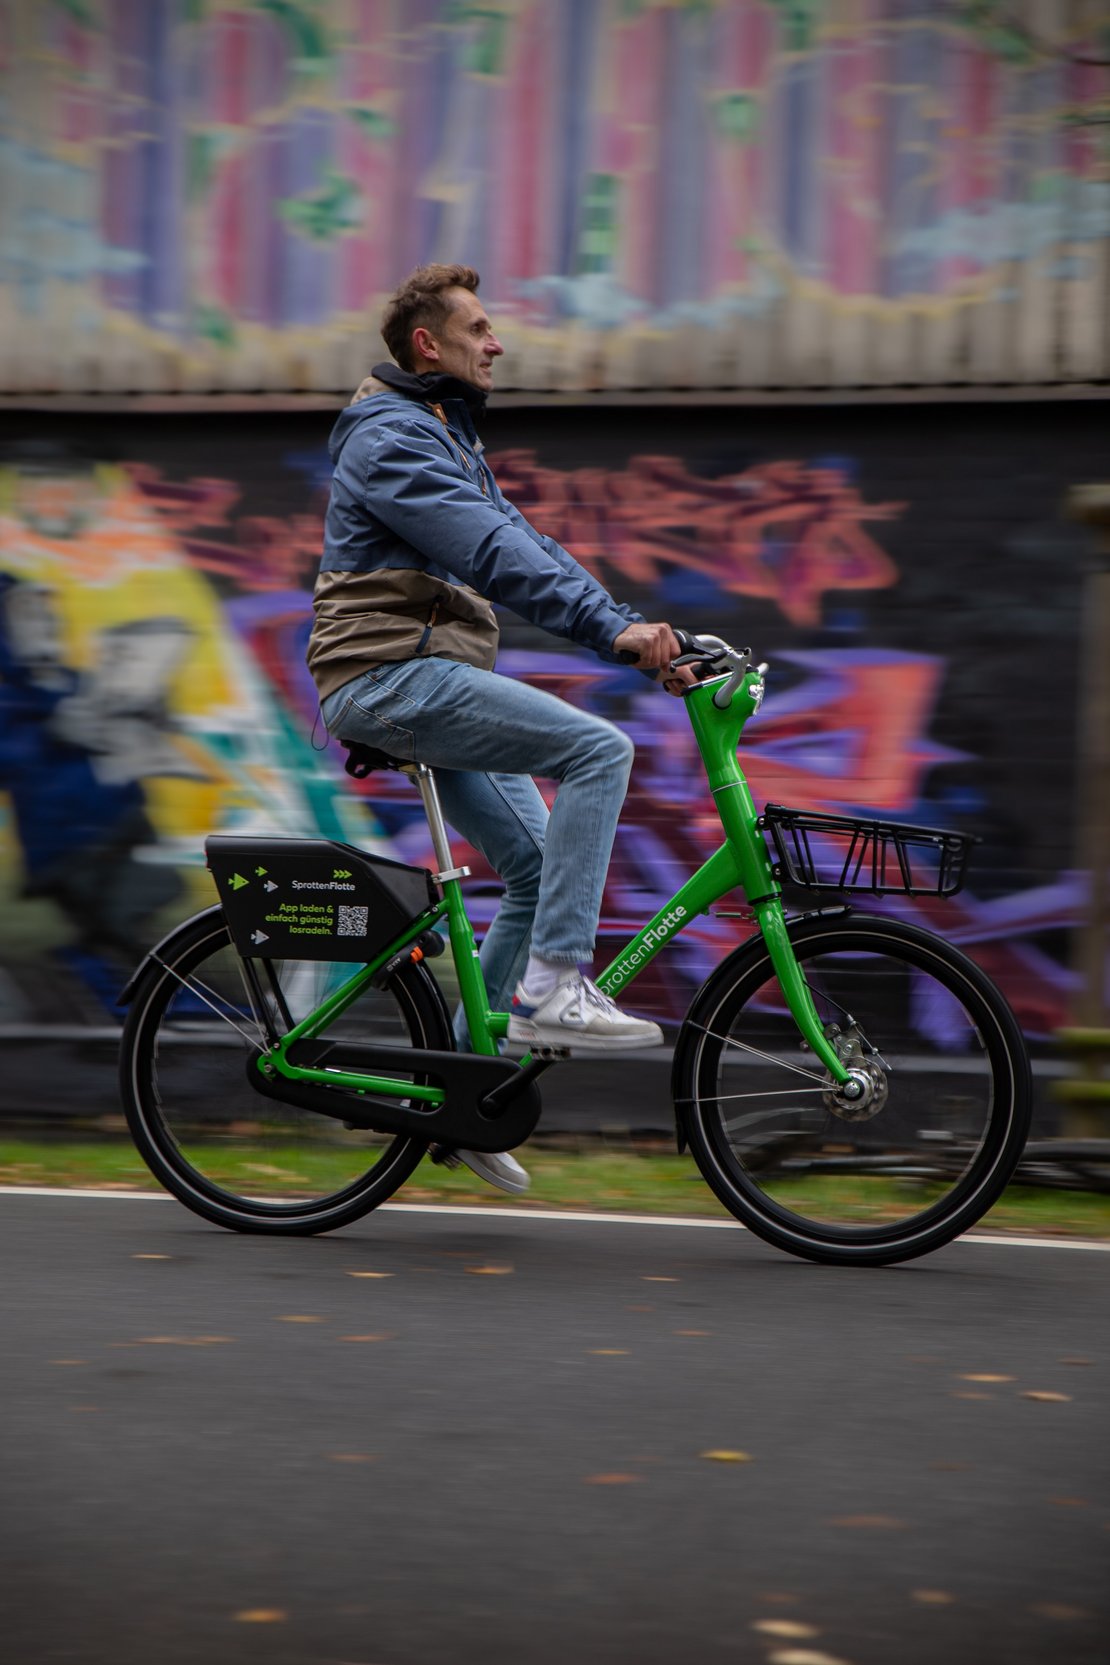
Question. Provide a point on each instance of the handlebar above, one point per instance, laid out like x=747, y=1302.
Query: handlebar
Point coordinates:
x=713, y=657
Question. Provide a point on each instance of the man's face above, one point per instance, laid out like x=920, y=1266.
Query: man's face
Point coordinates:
x=465, y=346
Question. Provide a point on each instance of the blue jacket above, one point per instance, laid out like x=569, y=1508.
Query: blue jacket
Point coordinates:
x=419, y=542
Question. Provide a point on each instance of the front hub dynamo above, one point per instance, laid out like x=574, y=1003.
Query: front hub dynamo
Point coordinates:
x=864, y=1093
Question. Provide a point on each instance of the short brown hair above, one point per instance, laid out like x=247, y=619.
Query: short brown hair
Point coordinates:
x=420, y=303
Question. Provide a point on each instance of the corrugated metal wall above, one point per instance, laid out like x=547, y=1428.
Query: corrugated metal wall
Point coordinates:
x=200, y=196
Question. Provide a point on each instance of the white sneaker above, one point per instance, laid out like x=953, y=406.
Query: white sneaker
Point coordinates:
x=577, y=1015
x=495, y=1167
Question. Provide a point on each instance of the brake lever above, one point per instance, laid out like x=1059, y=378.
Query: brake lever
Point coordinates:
x=722, y=698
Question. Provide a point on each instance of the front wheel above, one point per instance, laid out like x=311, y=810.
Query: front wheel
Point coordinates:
x=943, y=1116
x=228, y=1153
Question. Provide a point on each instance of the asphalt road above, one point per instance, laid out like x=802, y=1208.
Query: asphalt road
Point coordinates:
x=479, y=1437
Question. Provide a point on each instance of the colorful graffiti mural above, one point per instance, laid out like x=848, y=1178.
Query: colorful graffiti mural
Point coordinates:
x=153, y=689
x=217, y=194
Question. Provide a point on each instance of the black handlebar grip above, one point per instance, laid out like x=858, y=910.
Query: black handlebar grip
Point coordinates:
x=686, y=644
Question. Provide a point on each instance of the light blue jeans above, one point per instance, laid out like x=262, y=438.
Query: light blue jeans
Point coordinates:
x=486, y=736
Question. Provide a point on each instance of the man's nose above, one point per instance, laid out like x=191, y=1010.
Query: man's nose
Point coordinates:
x=494, y=346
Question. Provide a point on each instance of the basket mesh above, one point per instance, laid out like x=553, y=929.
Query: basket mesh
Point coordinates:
x=841, y=852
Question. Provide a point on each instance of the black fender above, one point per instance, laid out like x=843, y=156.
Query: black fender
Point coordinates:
x=731, y=967
x=158, y=952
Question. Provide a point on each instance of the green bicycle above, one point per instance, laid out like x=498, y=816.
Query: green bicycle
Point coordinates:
x=852, y=1088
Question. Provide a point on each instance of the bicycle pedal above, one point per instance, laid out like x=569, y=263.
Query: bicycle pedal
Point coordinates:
x=443, y=1157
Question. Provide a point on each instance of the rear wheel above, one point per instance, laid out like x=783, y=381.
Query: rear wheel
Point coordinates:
x=944, y=1096
x=225, y=1151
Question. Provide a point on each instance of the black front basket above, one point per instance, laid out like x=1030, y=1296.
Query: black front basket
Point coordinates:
x=842, y=852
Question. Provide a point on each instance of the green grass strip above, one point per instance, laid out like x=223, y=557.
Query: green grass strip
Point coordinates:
x=631, y=1180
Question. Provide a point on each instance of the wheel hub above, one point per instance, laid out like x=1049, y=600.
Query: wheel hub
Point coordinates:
x=866, y=1090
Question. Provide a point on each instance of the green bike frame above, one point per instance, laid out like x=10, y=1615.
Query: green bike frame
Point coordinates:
x=741, y=861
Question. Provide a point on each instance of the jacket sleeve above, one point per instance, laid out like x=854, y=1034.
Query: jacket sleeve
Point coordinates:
x=417, y=487
x=566, y=560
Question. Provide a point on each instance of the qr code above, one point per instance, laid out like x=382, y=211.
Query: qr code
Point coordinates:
x=352, y=921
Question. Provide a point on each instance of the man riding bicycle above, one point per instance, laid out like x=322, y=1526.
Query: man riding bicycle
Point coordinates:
x=419, y=544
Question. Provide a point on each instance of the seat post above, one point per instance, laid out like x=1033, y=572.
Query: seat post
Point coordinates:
x=433, y=809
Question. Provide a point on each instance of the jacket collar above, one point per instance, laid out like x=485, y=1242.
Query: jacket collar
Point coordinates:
x=432, y=389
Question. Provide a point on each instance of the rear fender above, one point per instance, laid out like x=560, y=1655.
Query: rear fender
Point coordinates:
x=160, y=949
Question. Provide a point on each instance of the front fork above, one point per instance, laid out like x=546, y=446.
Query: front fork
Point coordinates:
x=796, y=991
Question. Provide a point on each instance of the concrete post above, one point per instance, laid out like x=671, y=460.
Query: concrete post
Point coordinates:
x=1090, y=505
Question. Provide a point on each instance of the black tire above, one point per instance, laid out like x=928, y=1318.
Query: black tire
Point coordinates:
x=232, y=1156
x=930, y=1152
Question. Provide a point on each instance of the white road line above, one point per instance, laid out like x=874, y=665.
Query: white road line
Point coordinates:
x=997, y=1240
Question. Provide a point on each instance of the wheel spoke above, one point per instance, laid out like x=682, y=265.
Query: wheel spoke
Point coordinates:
x=216, y=1002
x=744, y=1046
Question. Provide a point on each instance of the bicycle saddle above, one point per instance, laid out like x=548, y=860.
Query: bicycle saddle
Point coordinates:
x=363, y=760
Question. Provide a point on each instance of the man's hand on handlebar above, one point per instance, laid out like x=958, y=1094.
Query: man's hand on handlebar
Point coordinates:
x=653, y=647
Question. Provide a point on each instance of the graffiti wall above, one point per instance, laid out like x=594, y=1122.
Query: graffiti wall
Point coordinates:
x=217, y=194
x=908, y=574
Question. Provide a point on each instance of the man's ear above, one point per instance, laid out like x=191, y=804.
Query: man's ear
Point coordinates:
x=424, y=346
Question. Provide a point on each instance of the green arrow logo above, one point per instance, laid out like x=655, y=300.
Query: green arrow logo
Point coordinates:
x=341, y=873
x=237, y=881
x=260, y=872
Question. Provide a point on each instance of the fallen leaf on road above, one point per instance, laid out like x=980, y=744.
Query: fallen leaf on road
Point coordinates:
x=693, y=1332
x=661, y=1280
x=612, y=1479
x=489, y=1271
x=985, y=1376
x=1048, y=1398
x=785, y=1627
x=383, y=1336
x=608, y=1352
x=69, y=1361
x=299, y=1318
x=804, y=1656
x=261, y=1616
x=933, y=1598
x=369, y=1274
x=1070, y=1502
x=175, y=1341
x=151, y=1257
x=970, y=1395
x=1077, y=1361
x=718, y=1456
x=1057, y=1610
